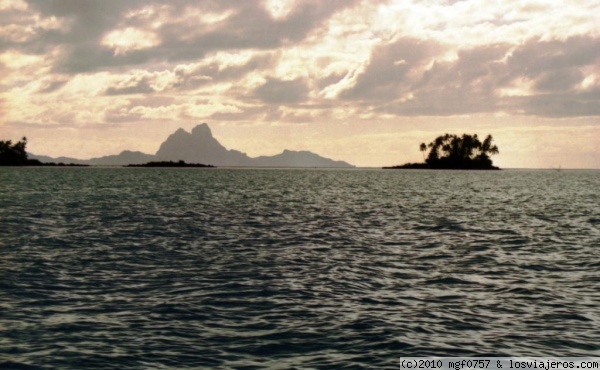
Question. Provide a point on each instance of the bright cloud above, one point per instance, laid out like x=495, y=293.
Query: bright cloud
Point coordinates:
x=128, y=39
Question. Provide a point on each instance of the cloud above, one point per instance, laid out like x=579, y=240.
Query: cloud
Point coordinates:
x=412, y=77
x=52, y=84
x=219, y=68
x=125, y=40
x=110, y=33
x=142, y=86
x=565, y=79
x=275, y=91
x=392, y=70
x=560, y=105
x=212, y=70
x=537, y=56
x=557, y=69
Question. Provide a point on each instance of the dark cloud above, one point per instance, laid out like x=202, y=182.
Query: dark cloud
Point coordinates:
x=474, y=81
x=250, y=26
x=275, y=91
x=215, y=72
x=184, y=79
x=387, y=73
x=462, y=86
x=52, y=85
x=564, y=79
x=17, y=19
x=89, y=58
x=536, y=56
x=474, y=69
x=559, y=105
x=89, y=19
x=140, y=87
x=329, y=80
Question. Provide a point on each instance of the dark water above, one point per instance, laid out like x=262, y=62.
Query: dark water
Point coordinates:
x=191, y=268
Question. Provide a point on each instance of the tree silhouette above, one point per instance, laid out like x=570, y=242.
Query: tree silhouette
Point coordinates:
x=13, y=154
x=16, y=155
x=457, y=152
x=423, y=148
x=466, y=151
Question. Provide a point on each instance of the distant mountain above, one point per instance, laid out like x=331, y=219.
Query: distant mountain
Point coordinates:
x=200, y=146
x=303, y=158
x=126, y=157
x=46, y=159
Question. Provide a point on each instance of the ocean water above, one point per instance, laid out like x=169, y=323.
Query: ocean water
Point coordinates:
x=137, y=268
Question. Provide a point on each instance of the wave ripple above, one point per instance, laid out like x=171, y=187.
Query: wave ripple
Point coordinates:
x=178, y=268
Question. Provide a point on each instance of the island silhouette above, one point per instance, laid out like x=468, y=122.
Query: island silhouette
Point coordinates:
x=171, y=164
x=199, y=146
x=16, y=155
x=453, y=152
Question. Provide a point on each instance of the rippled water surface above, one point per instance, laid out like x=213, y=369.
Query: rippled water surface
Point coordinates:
x=246, y=268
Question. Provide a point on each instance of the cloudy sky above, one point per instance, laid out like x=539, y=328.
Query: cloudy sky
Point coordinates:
x=361, y=81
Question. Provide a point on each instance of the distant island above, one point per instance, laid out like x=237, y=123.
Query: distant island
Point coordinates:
x=199, y=146
x=170, y=164
x=452, y=152
x=16, y=155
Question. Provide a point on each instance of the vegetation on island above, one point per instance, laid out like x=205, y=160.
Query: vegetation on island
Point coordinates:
x=170, y=164
x=13, y=154
x=464, y=152
x=16, y=155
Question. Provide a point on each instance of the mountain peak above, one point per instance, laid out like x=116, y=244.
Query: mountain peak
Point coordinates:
x=201, y=147
x=201, y=130
x=180, y=133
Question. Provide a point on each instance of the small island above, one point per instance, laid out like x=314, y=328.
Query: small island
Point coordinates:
x=170, y=164
x=452, y=152
x=16, y=155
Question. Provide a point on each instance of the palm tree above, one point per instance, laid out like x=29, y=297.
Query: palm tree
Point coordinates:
x=487, y=147
x=457, y=152
x=13, y=154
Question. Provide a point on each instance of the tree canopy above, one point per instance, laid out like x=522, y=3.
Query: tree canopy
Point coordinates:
x=13, y=154
x=16, y=155
x=457, y=152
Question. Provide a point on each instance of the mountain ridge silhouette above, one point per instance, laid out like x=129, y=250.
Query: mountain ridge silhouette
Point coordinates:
x=200, y=146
